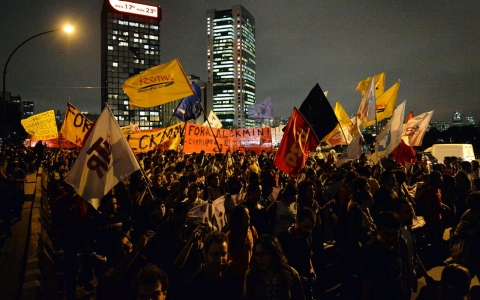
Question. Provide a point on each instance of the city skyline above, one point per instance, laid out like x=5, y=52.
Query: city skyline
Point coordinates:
x=429, y=46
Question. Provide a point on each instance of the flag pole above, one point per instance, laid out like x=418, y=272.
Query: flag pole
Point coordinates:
x=210, y=125
x=182, y=132
x=341, y=129
x=141, y=168
x=168, y=124
x=180, y=102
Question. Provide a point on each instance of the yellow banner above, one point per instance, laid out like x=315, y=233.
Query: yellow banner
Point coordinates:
x=41, y=126
x=75, y=125
x=147, y=140
x=158, y=85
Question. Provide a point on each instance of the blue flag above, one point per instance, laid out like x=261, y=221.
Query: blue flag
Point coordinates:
x=261, y=110
x=190, y=108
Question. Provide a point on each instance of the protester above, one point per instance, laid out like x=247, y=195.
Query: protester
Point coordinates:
x=381, y=262
x=162, y=201
x=150, y=283
x=270, y=276
x=297, y=245
x=453, y=285
x=213, y=190
x=115, y=278
x=282, y=213
x=257, y=212
x=241, y=237
x=468, y=232
x=214, y=279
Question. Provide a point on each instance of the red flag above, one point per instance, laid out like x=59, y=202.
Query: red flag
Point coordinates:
x=297, y=142
x=410, y=116
x=404, y=153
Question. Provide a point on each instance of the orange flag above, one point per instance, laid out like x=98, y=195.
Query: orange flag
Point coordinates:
x=297, y=142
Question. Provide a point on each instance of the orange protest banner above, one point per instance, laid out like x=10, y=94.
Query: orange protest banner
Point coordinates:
x=252, y=139
x=198, y=138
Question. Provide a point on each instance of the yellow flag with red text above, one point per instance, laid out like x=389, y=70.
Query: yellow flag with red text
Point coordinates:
x=158, y=85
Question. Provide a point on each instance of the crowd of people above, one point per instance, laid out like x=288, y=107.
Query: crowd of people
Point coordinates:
x=140, y=243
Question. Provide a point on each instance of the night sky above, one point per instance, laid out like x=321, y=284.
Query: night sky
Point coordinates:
x=433, y=47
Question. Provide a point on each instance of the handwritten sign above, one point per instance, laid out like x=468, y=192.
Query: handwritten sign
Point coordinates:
x=252, y=139
x=41, y=126
x=147, y=140
x=199, y=138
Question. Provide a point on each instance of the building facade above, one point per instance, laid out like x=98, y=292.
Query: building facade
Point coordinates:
x=27, y=109
x=130, y=44
x=457, y=119
x=231, y=64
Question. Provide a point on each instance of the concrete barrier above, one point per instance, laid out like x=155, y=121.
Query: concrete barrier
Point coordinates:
x=32, y=283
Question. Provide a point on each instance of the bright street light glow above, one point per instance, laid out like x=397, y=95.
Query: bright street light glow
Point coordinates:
x=68, y=28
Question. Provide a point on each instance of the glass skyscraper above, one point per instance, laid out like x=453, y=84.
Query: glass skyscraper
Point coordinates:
x=231, y=64
x=130, y=44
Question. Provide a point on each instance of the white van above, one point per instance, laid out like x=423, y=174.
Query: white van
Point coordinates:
x=462, y=151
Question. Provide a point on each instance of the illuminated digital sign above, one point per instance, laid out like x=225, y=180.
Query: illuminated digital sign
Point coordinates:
x=135, y=8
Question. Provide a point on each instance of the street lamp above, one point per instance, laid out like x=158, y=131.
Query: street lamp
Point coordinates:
x=67, y=29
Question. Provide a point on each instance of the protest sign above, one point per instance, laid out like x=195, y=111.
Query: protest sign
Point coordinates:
x=147, y=140
x=41, y=126
x=198, y=138
x=252, y=139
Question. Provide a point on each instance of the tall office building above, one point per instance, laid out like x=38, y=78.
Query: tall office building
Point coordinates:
x=27, y=109
x=231, y=64
x=130, y=45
